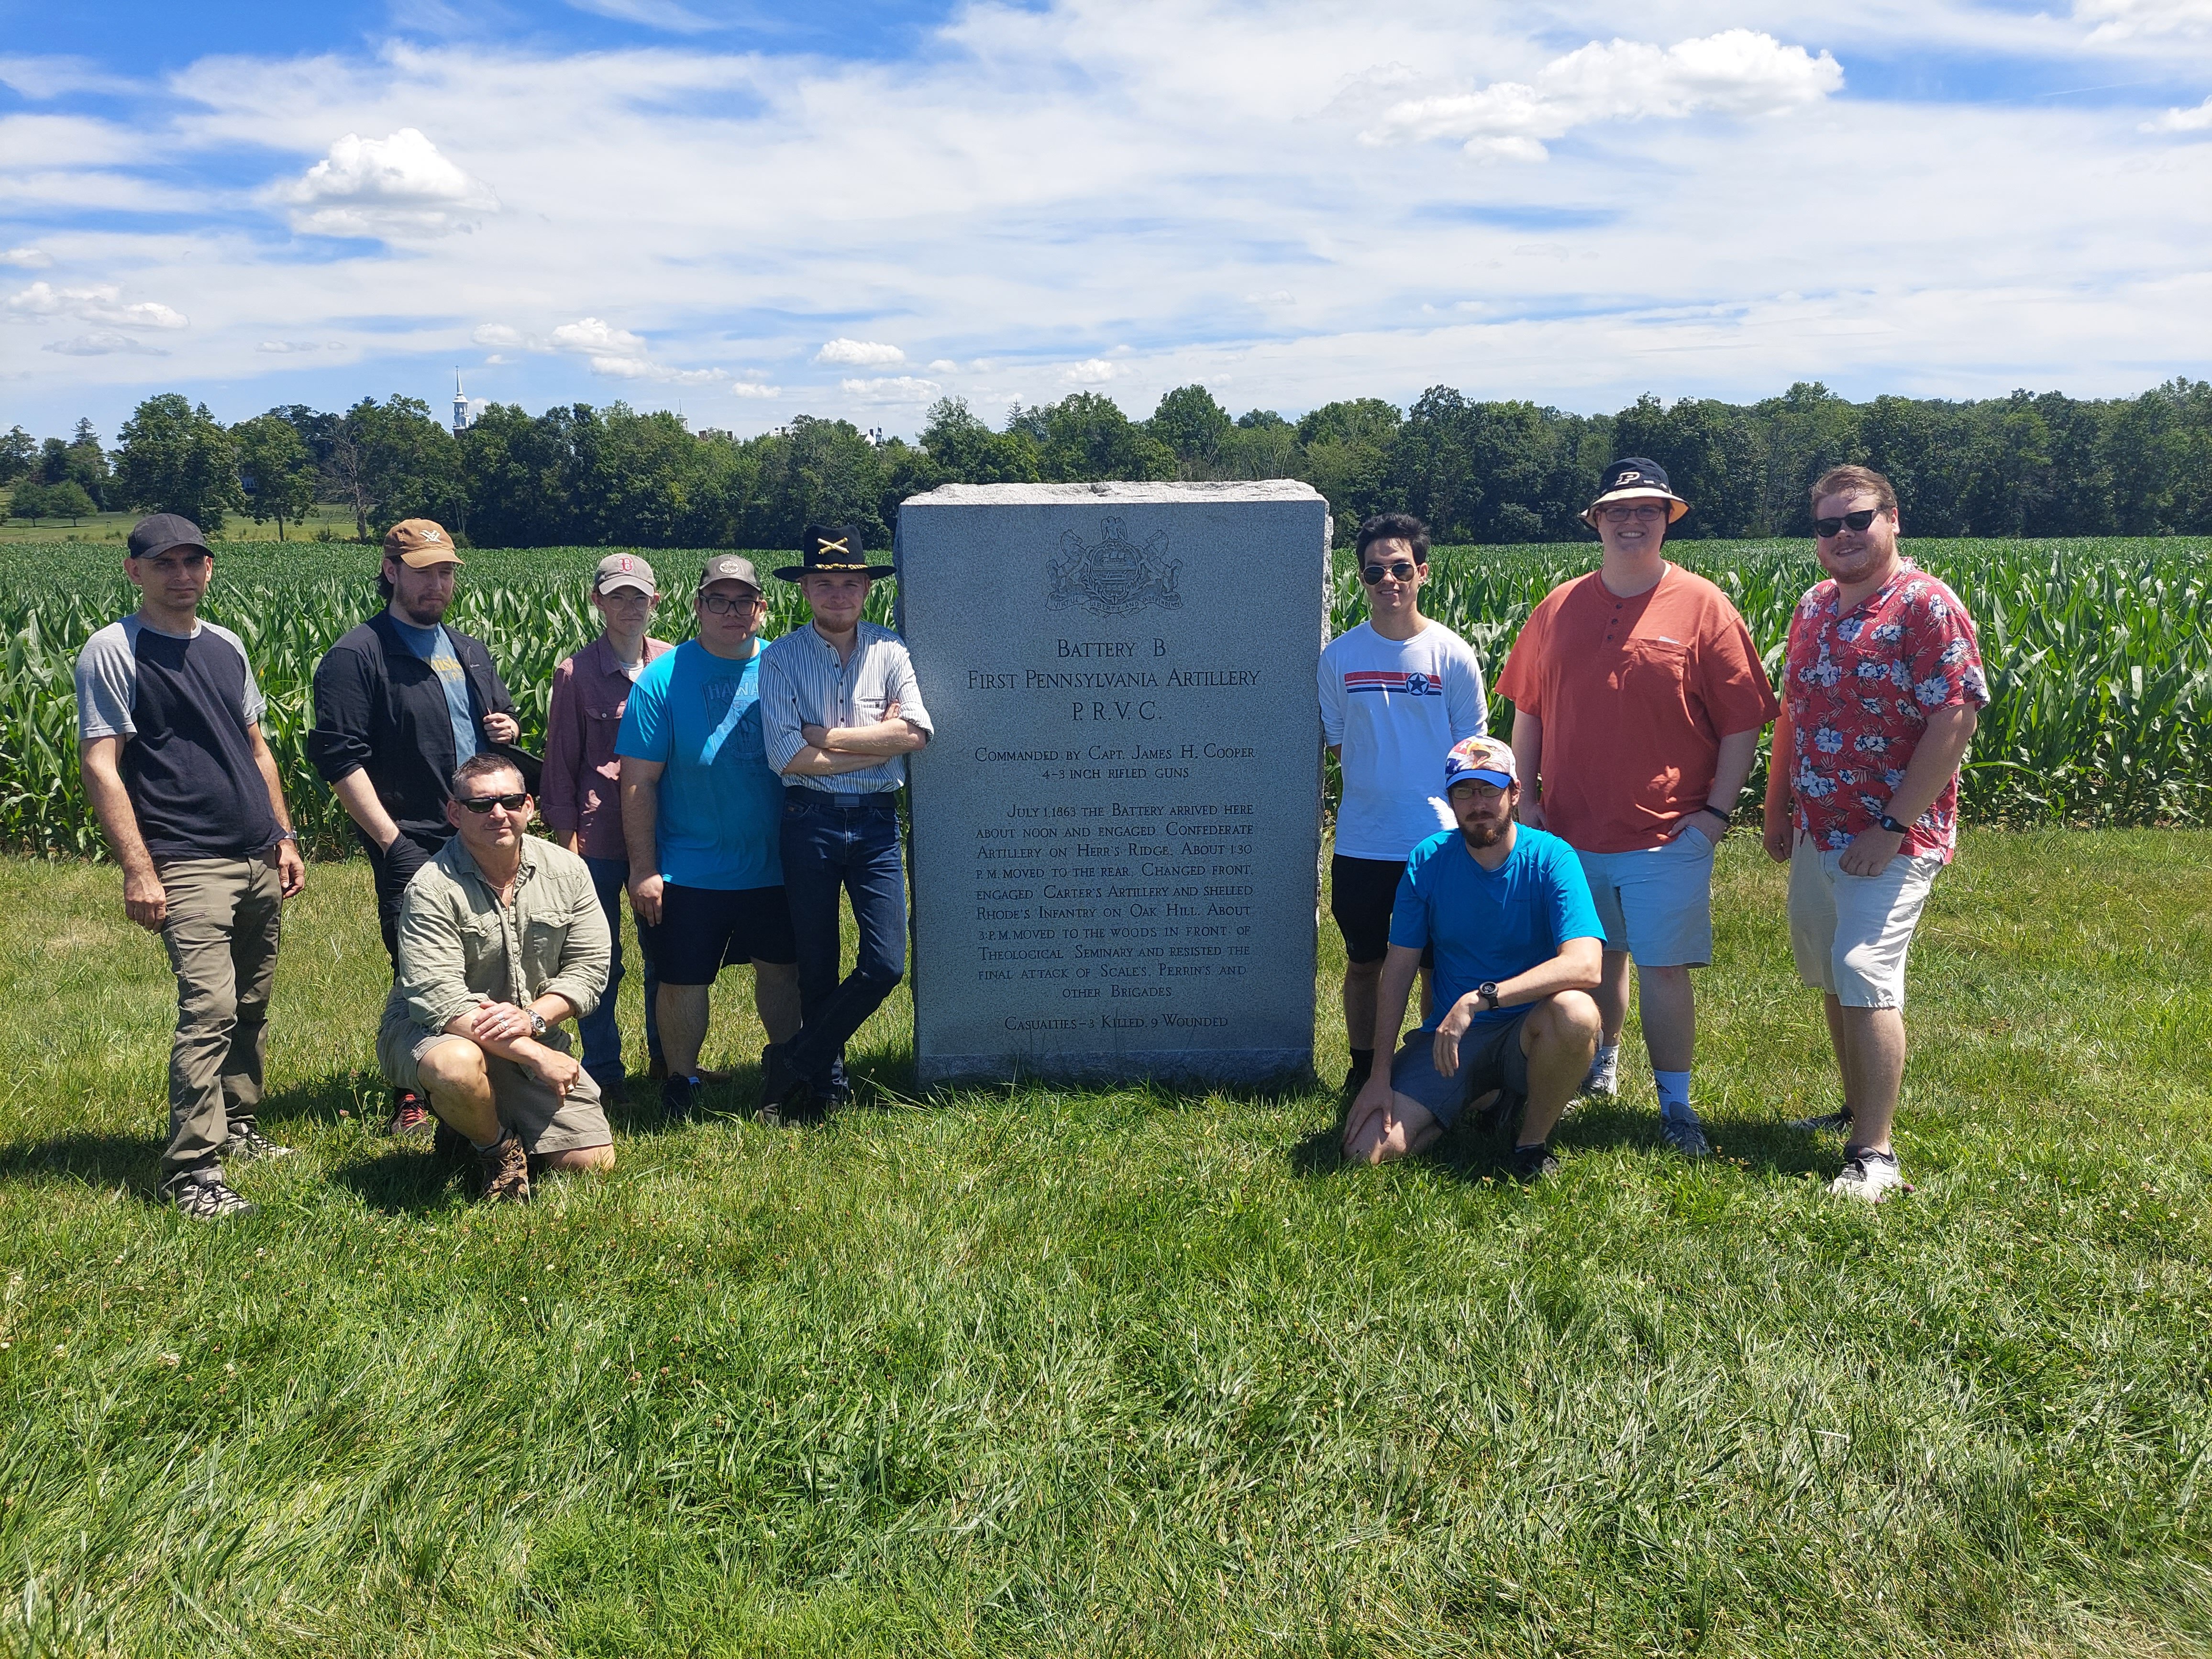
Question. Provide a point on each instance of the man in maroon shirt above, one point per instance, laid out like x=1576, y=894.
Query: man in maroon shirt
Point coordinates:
x=580, y=794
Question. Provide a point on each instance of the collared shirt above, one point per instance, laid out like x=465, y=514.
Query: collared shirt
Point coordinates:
x=581, y=794
x=803, y=682
x=1860, y=685
x=460, y=947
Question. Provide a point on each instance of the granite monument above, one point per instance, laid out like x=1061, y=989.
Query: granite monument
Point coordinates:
x=1116, y=830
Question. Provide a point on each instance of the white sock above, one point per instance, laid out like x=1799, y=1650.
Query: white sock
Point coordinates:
x=1674, y=1094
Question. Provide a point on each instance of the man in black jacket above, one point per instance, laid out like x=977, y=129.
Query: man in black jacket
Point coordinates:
x=399, y=702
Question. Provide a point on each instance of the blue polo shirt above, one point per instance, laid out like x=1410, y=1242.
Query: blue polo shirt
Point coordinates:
x=1490, y=924
x=720, y=818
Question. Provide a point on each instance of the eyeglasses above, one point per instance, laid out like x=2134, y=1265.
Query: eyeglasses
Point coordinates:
x=1400, y=571
x=481, y=804
x=719, y=605
x=1855, y=522
x=1642, y=511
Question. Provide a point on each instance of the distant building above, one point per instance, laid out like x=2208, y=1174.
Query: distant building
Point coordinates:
x=460, y=406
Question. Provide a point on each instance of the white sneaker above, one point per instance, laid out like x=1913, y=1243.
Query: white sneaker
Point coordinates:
x=1604, y=1079
x=1869, y=1174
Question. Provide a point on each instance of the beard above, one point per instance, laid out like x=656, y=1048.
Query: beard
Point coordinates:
x=1486, y=832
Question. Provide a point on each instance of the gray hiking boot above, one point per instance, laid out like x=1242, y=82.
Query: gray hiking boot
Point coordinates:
x=1836, y=1122
x=247, y=1144
x=204, y=1195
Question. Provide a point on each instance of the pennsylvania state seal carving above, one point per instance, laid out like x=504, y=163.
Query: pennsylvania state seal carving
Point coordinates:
x=1114, y=577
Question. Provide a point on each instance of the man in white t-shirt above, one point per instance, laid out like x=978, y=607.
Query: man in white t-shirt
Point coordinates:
x=1396, y=691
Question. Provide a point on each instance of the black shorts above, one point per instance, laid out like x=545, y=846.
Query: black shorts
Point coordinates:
x=1362, y=892
x=703, y=930
x=1490, y=1057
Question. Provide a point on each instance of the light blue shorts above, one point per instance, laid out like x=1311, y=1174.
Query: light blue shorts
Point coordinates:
x=1657, y=905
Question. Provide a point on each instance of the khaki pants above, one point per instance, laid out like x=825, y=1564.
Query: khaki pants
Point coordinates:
x=223, y=919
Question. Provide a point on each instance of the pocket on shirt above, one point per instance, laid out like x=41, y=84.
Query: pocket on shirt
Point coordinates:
x=1654, y=667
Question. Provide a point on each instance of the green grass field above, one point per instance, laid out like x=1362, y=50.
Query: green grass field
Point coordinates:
x=1137, y=1372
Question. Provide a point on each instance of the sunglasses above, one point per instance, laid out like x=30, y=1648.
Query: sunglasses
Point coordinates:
x=719, y=605
x=1372, y=574
x=481, y=804
x=1855, y=522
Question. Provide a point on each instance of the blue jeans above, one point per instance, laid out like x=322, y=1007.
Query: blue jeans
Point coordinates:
x=602, y=1036
x=849, y=843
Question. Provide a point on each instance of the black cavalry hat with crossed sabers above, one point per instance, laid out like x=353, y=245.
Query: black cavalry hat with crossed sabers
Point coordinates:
x=832, y=547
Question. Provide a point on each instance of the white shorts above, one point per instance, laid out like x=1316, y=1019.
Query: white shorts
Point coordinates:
x=1851, y=933
x=1657, y=905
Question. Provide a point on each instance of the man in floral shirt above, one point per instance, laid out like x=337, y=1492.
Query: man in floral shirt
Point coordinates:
x=1880, y=691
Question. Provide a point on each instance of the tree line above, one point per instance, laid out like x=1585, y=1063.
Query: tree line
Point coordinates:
x=2026, y=465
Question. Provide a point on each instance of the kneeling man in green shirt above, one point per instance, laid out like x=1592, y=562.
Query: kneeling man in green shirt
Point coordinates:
x=501, y=938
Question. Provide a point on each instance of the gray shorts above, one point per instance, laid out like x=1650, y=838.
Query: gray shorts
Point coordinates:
x=1657, y=905
x=1490, y=1057
x=545, y=1121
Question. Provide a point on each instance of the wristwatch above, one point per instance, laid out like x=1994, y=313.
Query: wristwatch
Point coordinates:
x=1893, y=826
x=1486, y=993
x=539, y=1028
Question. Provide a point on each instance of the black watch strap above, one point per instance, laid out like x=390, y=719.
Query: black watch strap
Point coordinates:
x=1893, y=826
x=1486, y=993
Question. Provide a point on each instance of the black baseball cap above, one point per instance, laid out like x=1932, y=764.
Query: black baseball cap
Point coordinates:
x=1636, y=478
x=152, y=536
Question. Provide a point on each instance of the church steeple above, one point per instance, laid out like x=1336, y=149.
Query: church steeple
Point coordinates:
x=460, y=404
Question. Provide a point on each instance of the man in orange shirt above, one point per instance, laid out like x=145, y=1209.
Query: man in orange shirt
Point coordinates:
x=1638, y=697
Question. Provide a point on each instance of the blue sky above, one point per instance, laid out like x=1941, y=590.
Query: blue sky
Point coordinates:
x=752, y=210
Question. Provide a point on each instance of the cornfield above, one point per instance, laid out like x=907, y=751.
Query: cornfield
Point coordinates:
x=2098, y=656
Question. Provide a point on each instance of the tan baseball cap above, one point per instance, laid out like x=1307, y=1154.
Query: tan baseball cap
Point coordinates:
x=418, y=544
x=624, y=571
x=729, y=567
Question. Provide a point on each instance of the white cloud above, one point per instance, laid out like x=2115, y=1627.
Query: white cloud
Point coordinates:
x=859, y=354
x=1737, y=72
x=896, y=389
x=1094, y=371
x=57, y=77
x=943, y=365
x=1057, y=176
x=2122, y=19
x=26, y=259
x=589, y=334
x=2183, y=120
x=653, y=14
x=102, y=304
x=283, y=348
x=103, y=345
x=377, y=187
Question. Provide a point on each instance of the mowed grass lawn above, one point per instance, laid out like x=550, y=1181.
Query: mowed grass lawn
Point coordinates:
x=1038, y=1372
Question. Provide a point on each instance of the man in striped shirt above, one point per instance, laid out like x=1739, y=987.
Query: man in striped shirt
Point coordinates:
x=840, y=708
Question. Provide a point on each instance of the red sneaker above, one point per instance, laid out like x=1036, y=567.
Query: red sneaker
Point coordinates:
x=409, y=1116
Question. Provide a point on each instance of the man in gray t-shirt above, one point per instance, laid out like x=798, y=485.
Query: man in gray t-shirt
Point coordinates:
x=169, y=739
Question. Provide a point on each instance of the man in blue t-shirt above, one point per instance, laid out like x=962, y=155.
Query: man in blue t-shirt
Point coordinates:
x=1518, y=949
x=703, y=818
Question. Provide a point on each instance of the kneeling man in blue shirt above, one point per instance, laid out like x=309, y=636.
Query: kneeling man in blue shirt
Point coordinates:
x=1519, y=947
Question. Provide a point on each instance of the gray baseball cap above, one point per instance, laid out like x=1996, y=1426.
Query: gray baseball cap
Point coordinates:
x=623, y=570
x=729, y=567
